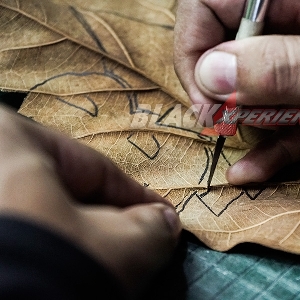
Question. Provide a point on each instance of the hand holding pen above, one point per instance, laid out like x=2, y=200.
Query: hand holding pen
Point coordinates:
x=263, y=70
x=251, y=24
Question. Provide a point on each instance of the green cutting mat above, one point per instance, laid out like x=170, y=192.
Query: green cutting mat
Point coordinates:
x=247, y=272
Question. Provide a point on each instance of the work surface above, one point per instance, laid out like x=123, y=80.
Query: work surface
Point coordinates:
x=96, y=70
x=102, y=72
x=248, y=271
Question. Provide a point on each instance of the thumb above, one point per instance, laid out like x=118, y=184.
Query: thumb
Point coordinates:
x=263, y=70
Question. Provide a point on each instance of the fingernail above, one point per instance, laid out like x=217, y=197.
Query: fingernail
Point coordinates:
x=239, y=174
x=217, y=72
x=172, y=220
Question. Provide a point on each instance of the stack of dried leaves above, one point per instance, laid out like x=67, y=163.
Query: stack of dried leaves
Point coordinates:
x=101, y=71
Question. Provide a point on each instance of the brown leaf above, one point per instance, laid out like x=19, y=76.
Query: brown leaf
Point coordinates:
x=102, y=73
x=115, y=28
x=140, y=141
x=267, y=215
x=65, y=68
x=12, y=33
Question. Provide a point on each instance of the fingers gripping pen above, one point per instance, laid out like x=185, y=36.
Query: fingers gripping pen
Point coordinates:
x=251, y=25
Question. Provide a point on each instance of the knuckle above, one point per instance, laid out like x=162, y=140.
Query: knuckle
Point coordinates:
x=281, y=72
x=148, y=217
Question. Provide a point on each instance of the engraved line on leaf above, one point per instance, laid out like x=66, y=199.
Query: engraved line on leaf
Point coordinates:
x=61, y=32
x=75, y=40
x=254, y=197
x=83, y=74
x=165, y=115
x=205, y=138
x=132, y=98
x=145, y=111
x=133, y=103
x=108, y=73
x=79, y=42
x=81, y=19
x=92, y=114
x=114, y=35
x=221, y=186
x=185, y=202
x=206, y=166
x=143, y=151
x=225, y=158
x=224, y=209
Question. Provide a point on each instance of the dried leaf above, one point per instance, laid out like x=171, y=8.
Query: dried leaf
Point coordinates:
x=13, y=37
x=102, y=73
x=110, y=32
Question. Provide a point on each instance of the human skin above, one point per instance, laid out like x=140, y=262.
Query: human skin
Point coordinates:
x=76, y=192
x=262, y=70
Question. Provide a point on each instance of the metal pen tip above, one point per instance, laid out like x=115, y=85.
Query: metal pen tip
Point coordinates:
x=216, y=155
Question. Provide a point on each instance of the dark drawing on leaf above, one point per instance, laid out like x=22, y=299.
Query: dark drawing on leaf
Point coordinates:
x=92, y=68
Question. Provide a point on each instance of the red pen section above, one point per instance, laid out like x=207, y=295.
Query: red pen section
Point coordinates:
x=225, y=120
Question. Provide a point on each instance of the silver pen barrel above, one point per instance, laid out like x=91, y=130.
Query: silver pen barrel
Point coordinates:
x=255, y=10
x=252, y=22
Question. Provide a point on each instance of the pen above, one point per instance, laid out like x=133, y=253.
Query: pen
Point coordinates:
x=251, y=24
